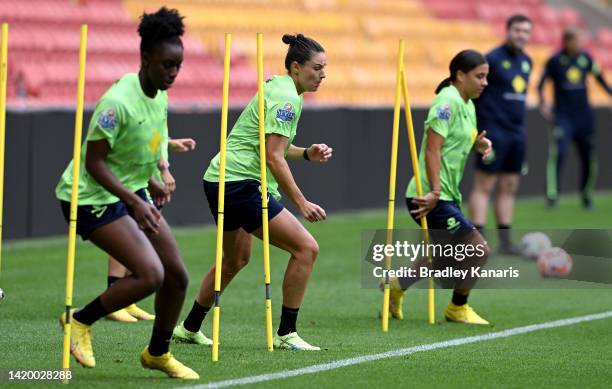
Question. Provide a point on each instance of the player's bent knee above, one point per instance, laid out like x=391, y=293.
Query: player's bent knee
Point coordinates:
x=242, y=261
x=486, y=252
x=480, y=259
x=235, y=264
x=308, y=251
x=153, y=278
x=179, y=279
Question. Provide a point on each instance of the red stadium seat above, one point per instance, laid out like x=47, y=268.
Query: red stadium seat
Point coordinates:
x=569, y=17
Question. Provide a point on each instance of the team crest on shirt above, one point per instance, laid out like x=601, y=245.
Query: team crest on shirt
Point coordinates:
x=506, y=64
x=443, y=112
x=107, y=120
x=286, y=113
x=582, y=61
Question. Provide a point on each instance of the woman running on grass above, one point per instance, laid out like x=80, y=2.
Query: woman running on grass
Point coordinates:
x=305, y=63
x=121, y=153
x=450, y=136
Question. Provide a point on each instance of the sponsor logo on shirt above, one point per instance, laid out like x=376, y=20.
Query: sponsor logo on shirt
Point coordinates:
x=519, y=84
x=286, y=113
x=107, y=120
x=443, y=112
x=574, y=75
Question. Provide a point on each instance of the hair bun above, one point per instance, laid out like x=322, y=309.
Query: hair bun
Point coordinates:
x=290, y=39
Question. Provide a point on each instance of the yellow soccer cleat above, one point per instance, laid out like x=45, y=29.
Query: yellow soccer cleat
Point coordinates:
x=396, y=298
x=167, y=364
x=80, y=340
x=463, y=314
x=121, y=315
x=138, y=313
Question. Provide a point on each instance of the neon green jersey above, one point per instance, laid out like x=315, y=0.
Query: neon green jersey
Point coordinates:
x=282, y=110
x=133, y=125
x=455, y=120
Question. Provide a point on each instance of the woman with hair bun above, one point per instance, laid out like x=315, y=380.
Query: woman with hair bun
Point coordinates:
x=283, y=97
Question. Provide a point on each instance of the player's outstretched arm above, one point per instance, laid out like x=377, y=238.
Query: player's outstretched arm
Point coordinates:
x=318, y=152
x=181, y=145
x=275, y=159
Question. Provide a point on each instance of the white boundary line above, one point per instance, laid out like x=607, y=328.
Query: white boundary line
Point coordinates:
x=401, y=352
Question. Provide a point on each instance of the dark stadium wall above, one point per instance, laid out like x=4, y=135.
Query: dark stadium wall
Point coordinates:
x=39, y=146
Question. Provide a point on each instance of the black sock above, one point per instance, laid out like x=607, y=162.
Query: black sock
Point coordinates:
x=196, y=316
x=288, y=321
x=160, y=342
x=459, y=299
x=480, y=228
x=91, y=312
x=111, y=280
x=504, y=234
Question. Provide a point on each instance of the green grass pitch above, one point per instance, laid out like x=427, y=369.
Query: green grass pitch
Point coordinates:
x=337, y=314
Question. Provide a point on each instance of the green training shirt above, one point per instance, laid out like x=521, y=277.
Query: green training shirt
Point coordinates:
x=455, y=120
x=282, y=109
x=133, y=125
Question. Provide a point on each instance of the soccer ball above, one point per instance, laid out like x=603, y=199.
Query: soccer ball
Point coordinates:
x=554, y=262
x=533, y=244
x=1, y=294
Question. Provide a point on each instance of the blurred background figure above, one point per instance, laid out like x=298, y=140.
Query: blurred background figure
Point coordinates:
x=501, y=112
x=572, y=115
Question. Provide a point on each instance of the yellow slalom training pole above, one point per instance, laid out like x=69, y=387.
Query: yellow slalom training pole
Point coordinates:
x=392, y=179
x=76, y=163
x=419, y=189
x=264, y=189
x=3, y=79
x=221, y=199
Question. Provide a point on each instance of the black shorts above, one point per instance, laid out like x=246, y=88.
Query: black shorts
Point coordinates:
x=92, y=217
x=242, y=207
x=446, y=222
x=447, y=225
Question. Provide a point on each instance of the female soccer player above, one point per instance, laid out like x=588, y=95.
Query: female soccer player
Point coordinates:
x=119, y=157
x=449, y=137
x=305, y=63
x=116, y=271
